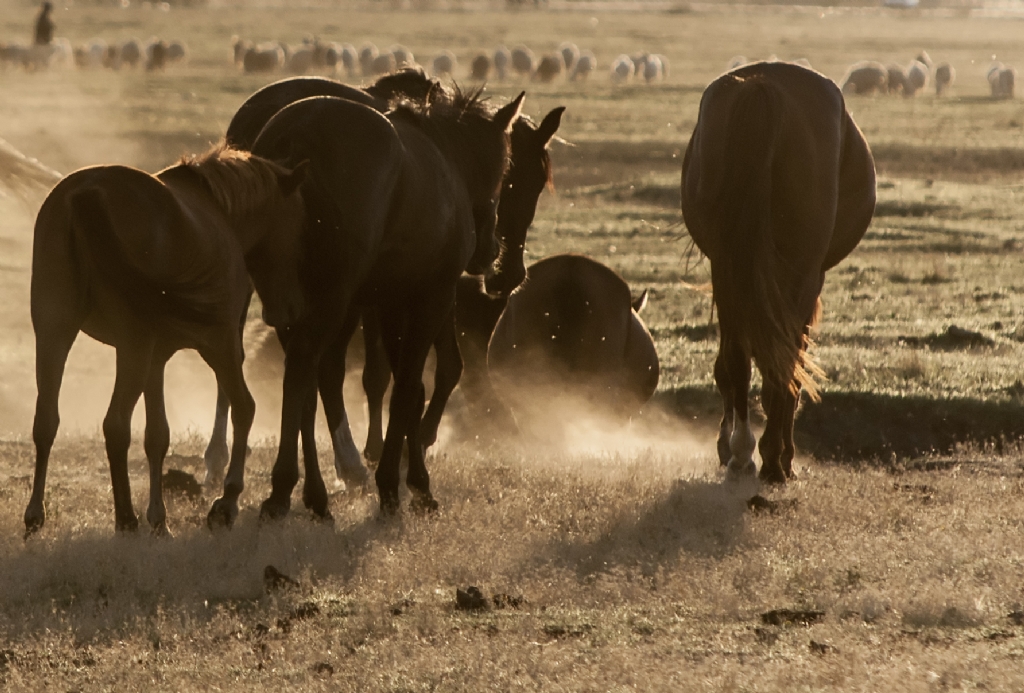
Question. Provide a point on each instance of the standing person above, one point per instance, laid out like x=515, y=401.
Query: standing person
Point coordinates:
x=44, y=26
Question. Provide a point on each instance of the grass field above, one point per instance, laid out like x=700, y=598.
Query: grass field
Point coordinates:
x=637, y=567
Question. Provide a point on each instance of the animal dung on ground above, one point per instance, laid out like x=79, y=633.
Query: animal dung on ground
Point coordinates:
x=178, y=481
x=785, y=617
x=471, y=599
x=274, y=579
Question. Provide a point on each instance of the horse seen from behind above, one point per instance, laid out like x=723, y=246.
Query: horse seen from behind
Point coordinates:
x=778, y=186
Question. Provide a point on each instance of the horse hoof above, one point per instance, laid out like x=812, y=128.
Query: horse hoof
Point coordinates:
x=271, y=511
x=160, y=531
x=389, y=506
x=735, y=471
x=423, y=505
x=129, y=525
x=221, y=515
x=772, y=476
x=33, y=523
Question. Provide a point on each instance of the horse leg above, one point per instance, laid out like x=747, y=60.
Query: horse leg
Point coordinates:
x=51, y=355
x=314, y=491
x=300, y=366
x=216, y=455
x=776, y=401
x=724, y=383
x=348, y=463
x=376, y=378
x=156, y=442
x=446, y=377
x=132, y=374
x=408, y=347
x=787, y=424
x=741, y=441
x=227, y=365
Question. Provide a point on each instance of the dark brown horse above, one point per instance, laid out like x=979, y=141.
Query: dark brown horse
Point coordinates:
x=398, y=207
x=778, y=186
x=572, y=329
x=151, y=265
x=462, y=352
x=242, y=132
x=477, y=308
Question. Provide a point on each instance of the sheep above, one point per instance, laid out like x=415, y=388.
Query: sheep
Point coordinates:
x=570, y=54
x=622, y=69
x=480, y=67
x=444, y=63
x=523, y=61
x=917, y=78
x=945, y=75
x=585, y=65
x=549, y=67
x=502, y=60
x=367, y=53
x=897, y=79
x=1001, y=79
x=865, y=77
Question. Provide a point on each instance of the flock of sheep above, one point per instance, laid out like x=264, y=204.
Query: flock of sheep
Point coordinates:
x=567, y=61
x=154, y=54
x=869, y=77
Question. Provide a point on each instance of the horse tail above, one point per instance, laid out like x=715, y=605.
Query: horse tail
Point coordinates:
x=747, y=276
x=95, y=238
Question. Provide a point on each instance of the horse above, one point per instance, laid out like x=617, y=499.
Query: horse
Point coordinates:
x=151, y=264
x=479, y=300
x=778, y=186
x=528, y=174
x=398, y=205
x=572, y=329
x=242, y=132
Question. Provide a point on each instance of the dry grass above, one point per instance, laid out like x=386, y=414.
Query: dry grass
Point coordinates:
x=639, y=568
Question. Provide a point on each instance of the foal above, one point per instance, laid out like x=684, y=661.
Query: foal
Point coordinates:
x=151, y=264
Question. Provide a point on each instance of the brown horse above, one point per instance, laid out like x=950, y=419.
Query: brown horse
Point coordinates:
x=242, y=132
x=151, y=265
x=398, y=207
x=778, y=186
x=477, y=307
x=572, y=329
x=462, y=351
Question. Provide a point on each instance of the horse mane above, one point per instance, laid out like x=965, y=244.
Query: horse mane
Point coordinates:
x=240, y=182
x=444, y=114
x=409, y=83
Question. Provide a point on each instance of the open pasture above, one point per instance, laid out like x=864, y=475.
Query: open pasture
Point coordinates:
x=638, y=569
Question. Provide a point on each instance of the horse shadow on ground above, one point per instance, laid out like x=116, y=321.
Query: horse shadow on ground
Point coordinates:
x=876, y=429
x=94, y=582
x=700, y=517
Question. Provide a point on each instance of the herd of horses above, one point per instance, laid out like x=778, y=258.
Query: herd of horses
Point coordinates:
x=405, y=206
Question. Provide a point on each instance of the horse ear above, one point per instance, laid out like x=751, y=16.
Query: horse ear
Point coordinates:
x=550, y=124
x=507, y=115
x=291, y=180
x=641, y=302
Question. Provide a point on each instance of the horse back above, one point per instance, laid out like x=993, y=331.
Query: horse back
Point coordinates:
x=571, y=311
x=259, y=108
x=356, y=163
x=119, y=232
x=767, y=141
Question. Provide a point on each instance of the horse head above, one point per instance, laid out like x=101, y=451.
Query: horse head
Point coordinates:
x=491, y=164
x=528, y=174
